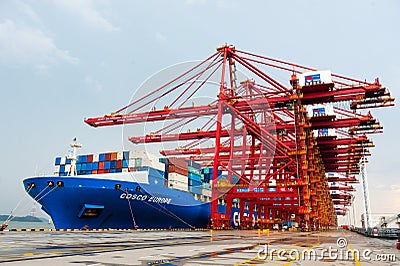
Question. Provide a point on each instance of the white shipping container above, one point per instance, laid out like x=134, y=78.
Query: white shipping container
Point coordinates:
x=314, y=77
x=67, y=168
x=147, y=159
x=324, y=132
x=56, y=169
x=320, y=110
x=136, y=154
x=125, y=170
x=120, y=155
x=178, y=177
x=63, y=160
x=206, y=192
x=95, y=157
x=177, y=185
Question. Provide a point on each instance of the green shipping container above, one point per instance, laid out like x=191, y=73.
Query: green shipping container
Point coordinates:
x=194, y=171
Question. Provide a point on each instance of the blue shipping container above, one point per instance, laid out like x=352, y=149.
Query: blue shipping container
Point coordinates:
x=113, y=165
x=68, y=161
x=112, y=170
x=119, y=170
x=82, y=159
x=194, y=183
x=195, y=190
x=125, y=163
x=95, y=166
x=107, y=165
x=58, y=161
x=89, y=166
x=62, y=168
x=78, y=167
x=194, y=177
x=102, y=157
x=83, y=167
x=126, y=155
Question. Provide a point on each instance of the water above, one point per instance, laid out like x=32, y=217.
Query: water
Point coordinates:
x=29, y=225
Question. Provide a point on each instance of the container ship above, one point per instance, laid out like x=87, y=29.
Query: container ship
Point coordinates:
x=124, y=190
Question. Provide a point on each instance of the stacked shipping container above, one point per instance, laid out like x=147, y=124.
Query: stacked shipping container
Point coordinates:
x=110, y=162
x=178, y=173
x=194, y=177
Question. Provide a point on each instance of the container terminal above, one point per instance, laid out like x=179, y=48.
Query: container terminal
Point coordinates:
x=262, y=155
x=289, y=152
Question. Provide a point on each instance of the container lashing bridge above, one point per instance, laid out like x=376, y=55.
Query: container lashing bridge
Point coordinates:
x=284, y=146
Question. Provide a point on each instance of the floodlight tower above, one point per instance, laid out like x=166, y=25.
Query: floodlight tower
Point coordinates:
x=365, y=192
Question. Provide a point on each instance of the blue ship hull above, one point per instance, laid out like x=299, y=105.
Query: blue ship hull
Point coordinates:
x=115, y=201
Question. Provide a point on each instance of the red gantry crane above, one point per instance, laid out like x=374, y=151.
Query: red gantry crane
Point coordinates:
x=283, y=145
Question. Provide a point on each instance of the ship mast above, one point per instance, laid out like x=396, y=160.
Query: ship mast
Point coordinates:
x=73, y=157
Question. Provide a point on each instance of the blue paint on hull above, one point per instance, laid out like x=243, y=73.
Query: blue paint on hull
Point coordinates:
x=64, y=203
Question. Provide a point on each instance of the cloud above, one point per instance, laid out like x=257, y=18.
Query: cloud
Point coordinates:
x=28, y=11
x=87, y=12
x=21, y=45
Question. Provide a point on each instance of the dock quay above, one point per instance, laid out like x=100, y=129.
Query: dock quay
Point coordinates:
x=189, y=247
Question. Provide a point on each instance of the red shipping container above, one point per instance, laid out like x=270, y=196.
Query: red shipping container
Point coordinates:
x=113, y=156
x=101, y=165
x=107, y=171
x=90, y=158
x=179, y=170
x=108, y=156
x=119, y=164
x=179, y=162
x=100, y=171
x=94, y=172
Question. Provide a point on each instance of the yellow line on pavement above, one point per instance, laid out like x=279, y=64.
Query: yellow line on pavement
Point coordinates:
x=352, y=251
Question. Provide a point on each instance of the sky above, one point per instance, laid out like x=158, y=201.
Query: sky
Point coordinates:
x=64, y=60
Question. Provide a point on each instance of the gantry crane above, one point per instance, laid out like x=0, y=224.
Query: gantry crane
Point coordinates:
x=262, y=130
